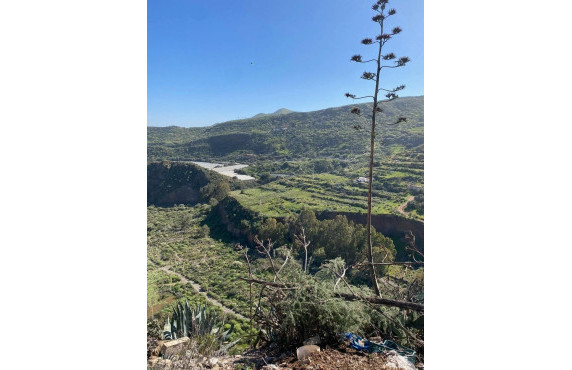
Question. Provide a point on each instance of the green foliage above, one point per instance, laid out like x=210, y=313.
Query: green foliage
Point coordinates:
x=271, y=229
x=321, y=192
x=312, y=310
x=153, y=294
x=170, y=183
x=194, y=253
x=311, y=307
x=215, y=190
x=417, y=204
x=197, y=321
x=325, y=133
x=328, y=238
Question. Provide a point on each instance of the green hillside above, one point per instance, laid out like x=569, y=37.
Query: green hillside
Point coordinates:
x=287, y=135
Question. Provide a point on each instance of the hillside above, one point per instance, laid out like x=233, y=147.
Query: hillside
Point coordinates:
x=290, y=135
x=213, y=239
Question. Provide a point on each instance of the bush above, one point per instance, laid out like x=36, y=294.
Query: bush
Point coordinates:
x=309, y=310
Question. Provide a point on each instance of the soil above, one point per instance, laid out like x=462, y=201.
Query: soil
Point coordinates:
x=341, y=358
x=401, y=208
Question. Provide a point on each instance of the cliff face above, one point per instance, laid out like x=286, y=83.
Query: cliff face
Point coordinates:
x=389, y=225
x=392, y=226
x=239, y=222
x=174, y=183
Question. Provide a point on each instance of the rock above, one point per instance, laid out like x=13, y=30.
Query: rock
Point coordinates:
x=270, y=367
x=164, y=364
x=174, y=346
x=157, y=350
x=212, y=362
x=305, y=351
x=153, y=361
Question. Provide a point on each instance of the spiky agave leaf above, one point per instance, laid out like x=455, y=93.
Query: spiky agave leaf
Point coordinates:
x=184, y=323
x=226, y=334
x=226, y=347
x=189, y=320
x=167, y=330
x=173, y=328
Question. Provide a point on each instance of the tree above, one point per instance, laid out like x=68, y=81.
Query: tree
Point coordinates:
x=381, y=15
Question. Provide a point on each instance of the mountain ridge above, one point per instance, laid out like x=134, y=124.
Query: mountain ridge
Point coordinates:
x=326, y=132
x=277, y=112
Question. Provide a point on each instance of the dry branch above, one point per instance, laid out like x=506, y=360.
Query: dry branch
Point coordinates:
x=383, y=301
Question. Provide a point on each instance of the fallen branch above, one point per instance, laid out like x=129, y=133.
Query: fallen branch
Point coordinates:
x=269, y=283
x=382, y=301
x=419, y=342
x=358, y=265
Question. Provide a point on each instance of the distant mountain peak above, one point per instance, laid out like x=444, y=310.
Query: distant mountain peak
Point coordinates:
x=283, y=111
x=278, y=112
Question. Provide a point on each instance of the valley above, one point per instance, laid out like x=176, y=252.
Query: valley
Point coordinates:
x=218, y=196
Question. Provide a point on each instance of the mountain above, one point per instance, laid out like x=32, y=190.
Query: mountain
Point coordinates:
x=285, y=134
x=283, y=111
x=279, y=111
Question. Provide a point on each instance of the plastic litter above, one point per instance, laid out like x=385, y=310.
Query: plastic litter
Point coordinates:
x=362, y=344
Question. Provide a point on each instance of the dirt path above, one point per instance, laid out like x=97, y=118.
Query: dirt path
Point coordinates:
x=401, y=208
x=199, y=290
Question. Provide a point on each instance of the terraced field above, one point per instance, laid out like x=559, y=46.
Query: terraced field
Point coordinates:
x=327, y=192
x=177, y=239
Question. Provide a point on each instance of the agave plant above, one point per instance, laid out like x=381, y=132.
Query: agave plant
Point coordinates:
x=196, y=321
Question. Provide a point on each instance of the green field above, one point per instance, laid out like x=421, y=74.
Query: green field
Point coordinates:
x=319, y=192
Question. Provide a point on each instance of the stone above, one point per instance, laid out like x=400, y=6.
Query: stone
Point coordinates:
x=212, y=362
x=157, y=350
x=305, y=351
x=173, y=347
x=153, y=361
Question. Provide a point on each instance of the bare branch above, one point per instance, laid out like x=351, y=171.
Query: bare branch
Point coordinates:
x=411, y=246
x=418, y=341
x=269, y=283
x=383, y=301
x=265, y=249
x=284, y=264
x=410, y=263
x=361, y=97
x=301, y=241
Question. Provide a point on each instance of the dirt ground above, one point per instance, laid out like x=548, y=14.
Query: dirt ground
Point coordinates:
x=341, y=359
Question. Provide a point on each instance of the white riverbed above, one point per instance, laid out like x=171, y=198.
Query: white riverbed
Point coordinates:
x=225, y=170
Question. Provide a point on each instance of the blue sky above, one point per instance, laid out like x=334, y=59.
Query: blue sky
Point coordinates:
x=215, y=61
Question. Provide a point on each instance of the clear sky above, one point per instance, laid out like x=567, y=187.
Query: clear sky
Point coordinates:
x=215, y=61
